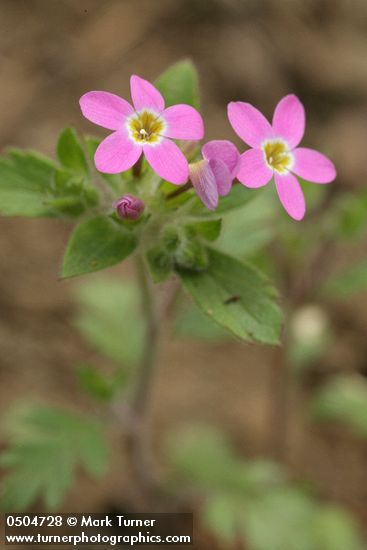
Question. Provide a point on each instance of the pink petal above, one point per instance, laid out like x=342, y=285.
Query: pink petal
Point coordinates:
x=249, y=123
x=313, y=166
x=253, y=170
x=225, y=151
x=289, y=120
x=222, y=175
x=203, y=180
x=183, y=122
x=145, y=95
x=105, y=109
x=290, y=195
x=168, y=161
x=116, y=153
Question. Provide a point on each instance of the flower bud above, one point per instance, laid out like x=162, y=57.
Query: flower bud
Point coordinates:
x=129, y=207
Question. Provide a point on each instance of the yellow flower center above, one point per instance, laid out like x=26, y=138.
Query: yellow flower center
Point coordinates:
x=277, y=155
x=146, y=127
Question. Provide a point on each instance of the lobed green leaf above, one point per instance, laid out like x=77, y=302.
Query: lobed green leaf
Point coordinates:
x=46, y=446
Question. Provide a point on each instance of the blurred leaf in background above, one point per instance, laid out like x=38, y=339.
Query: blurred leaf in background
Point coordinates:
x=348, y=216
x=110, y=320
x=252, y=501
x=344, y=399
x=350, y=281
x=248, y=227
x=45, y=447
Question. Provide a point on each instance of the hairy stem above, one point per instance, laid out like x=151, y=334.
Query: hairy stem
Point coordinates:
x=138, y=441
x=144, y=380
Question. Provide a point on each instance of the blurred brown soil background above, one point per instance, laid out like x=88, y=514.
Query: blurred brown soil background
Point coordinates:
x=51, y=52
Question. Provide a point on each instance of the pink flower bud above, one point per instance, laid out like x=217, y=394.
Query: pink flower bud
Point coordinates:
x=129, y=207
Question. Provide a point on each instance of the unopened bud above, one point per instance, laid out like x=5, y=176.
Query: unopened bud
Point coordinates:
x=129, y=207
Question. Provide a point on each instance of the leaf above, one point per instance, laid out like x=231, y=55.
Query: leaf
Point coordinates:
x=344, y=399
x=179, y=84
x=193, y=457
x=31, y=185
x=70, y=152
x=25, y=184
x=349, y=215
x=237, y=297
x=352, y=280
x=288, y=515
x=46, y=446
x=105, y=305
x=221, y=516
x=192, y=323
x=96, y=244
x=241, y=496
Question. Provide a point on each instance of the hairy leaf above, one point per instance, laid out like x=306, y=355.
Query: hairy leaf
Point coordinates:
x=237, y=297
x=343, y=399
x=26, y=180
x=110, y=319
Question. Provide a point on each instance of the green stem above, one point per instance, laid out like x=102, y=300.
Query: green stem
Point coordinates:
x=139, y=445
x=144, y=379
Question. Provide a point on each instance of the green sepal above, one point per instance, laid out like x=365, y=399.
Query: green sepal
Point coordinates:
x=191, y=254
x=160, y=263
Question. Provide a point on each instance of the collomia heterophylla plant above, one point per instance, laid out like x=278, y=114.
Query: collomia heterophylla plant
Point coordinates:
x=153, y=191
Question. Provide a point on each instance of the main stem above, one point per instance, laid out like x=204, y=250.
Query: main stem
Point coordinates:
x=139, y=446
x=144, y=378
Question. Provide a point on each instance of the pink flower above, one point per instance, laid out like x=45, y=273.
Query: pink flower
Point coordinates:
x=129, y=207
x=275, y=153
x=213, y=176
x=147, y=127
